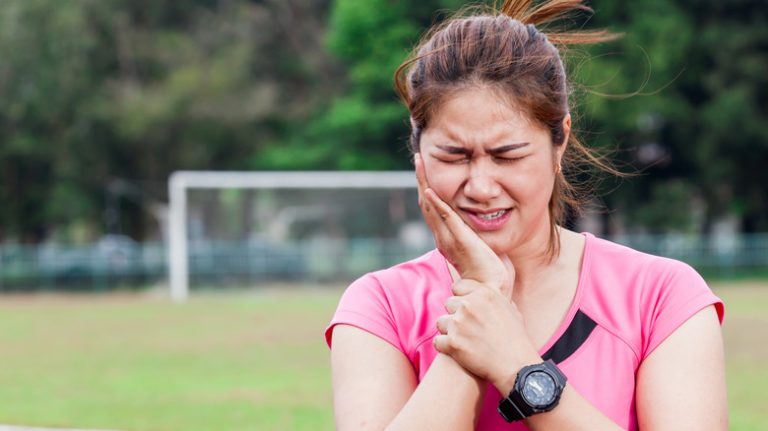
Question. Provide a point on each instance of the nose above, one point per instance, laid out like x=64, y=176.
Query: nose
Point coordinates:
x=481, y=185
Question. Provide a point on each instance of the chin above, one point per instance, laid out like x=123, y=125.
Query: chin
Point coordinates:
x=498, y=244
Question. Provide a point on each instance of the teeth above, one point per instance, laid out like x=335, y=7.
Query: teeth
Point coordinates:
x=492, y=216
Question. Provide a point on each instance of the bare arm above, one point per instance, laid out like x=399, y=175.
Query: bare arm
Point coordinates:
x=374, y=388
x=681, y=385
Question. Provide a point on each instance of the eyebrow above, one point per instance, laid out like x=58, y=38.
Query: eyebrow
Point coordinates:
x=450, y=149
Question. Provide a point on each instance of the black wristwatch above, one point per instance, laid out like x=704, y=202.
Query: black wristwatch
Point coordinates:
x=537, y=389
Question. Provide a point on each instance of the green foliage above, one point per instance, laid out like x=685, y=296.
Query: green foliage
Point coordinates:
x=668, y=209
x=365, y=126
x=93, y=91
x=99, y=90
x=362, y=128
x=694, y=73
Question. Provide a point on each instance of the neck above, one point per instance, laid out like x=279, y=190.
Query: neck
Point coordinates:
x=533, y=258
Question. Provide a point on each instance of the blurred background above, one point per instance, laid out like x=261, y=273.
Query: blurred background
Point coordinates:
x=102, y=100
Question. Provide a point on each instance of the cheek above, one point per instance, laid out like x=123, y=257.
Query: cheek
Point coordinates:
x=532, y=184
x=445, y=180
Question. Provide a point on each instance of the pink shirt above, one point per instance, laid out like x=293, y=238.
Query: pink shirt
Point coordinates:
x=625, y=305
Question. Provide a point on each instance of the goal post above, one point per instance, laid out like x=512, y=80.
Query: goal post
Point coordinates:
x=181, y=182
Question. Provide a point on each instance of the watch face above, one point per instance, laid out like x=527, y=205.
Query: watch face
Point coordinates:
x=539, y=389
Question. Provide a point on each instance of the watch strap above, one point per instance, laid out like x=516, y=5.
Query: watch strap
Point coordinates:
x=512, y=408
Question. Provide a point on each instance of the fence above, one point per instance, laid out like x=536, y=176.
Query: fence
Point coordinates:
x=113, y=263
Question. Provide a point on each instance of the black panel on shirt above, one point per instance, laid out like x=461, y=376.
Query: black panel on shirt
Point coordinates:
x=573, y=337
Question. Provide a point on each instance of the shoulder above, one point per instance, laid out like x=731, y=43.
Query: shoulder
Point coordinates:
x=400, y=303
x=623, y=265
x=639, y=296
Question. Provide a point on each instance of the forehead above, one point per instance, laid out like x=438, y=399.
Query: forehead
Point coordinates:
x=480, y=116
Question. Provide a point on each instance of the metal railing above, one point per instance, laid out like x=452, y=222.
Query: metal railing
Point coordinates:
x=713, y=255
x=108, y=265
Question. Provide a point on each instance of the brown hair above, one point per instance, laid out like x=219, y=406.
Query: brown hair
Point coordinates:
x=509, y=50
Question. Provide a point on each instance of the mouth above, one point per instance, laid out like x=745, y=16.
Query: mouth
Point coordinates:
x=487, y=220
x=493, y=215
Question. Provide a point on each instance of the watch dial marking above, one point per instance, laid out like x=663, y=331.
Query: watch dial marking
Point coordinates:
x=539, y=389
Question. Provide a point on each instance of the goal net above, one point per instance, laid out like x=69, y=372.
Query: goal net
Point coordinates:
x=250, y=228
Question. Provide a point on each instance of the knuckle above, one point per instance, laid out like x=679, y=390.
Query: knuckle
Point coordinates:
x=458, y=318
x=452, y=343
x=467, y=309
x=460, y=307
x=473, y=283
x=487, y=293
x=458, y=287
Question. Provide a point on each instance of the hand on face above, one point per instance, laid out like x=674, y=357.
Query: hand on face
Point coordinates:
x=463, y=248
x=483, y=330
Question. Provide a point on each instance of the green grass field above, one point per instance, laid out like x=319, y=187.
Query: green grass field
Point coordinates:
x=241, y=361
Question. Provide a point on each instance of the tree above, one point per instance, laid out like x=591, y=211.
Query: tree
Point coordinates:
x=365, y=126
x=94, y=91
x=699, y=67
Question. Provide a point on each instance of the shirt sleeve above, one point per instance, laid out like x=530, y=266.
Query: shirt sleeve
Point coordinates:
x=365, y=305
x=674, y=296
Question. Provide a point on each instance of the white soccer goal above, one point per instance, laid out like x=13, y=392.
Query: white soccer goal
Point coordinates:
x=313, y=195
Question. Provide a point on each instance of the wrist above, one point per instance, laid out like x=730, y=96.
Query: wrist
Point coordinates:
x=450, y=365
x=506, y=383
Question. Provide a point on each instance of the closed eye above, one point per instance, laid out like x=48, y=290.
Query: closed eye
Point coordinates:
x=459, y=161
x=508, y=159
x=464, y=160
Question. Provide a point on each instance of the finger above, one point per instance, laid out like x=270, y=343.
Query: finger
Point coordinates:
x=443, y=324
x=432, y=219
x=446, y=213
x=421, y=179
x=422, y=185
x=464, y=238
x=442, y=344
x=452, y=304
x=457, y=228
x=443, y=220
x=464, y=287
x=418, y=164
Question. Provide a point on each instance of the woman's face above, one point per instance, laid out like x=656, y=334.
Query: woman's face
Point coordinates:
x=494, y=166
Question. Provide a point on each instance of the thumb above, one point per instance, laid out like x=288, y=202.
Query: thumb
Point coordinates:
x=509, y=285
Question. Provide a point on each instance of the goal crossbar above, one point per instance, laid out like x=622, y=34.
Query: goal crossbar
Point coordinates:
x=181, y=181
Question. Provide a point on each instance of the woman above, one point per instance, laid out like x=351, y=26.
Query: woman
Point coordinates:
x=515, y=322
